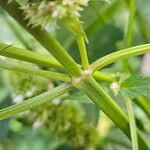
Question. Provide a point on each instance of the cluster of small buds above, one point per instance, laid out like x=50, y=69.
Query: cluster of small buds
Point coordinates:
x=115, y=87
x=50, y=11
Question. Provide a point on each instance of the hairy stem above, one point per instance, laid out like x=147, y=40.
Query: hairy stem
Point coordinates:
x=33, y=71
x=83, y=52
x=34, y=102
x=29, y=56
x=43, y=37
x=129, y=106
x=125, y=53
x=99, y=76
x=132, y=124
x=110, y=108
x=130, y=28
x=129, y=35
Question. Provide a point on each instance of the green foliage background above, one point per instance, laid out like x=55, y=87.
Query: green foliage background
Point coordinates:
x=75, y=122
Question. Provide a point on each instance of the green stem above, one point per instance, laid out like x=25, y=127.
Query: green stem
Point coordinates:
x=29, y=56
x=132, y=124
x=83, y=52
x=125, y=53
x=110, y=108
x=43, y=37
x=99, y=76
x=106, y=104
x=34, y=102
x=130, y=30
x=142, y=24
x=33, y=71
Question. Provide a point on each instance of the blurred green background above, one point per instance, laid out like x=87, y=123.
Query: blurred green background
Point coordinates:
x=72, y=121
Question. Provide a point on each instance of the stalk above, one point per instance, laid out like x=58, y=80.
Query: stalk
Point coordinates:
x=99, y=76
x=34, y=102
x=125, y=53
x=43, y=37
x=129, y=37
x=110, y=108
x=130, y=28
x=29, y=56
x=83, y=52
x=132, y=123
x=33, y=71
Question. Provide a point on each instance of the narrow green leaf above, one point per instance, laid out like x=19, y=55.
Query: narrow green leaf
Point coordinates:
x=34, y=102
x=135, y=86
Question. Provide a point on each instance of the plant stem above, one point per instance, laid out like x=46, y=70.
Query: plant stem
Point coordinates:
x=34, y=102
x=130, y=28
x=43, y=37
x=129, y=35
x=110, y=108
x=132, y=124
x=142, y=24
x=99, y=76
x=106, y=104
x=29, y=56
x=83, y=52
x=125, y=53
x=33, y=71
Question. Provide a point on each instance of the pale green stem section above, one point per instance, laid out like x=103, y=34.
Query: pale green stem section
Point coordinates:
x=132, y=123
x=83, y=52
x=125, y=53
x=99, y=76
x=129, y=37
x=33, y=71
x=130, y=30
x=43, y=37
x=130, y=24
x=142, y=24
x=34, y=102
x=29, y=56
x=106, y=104
x=110, y=108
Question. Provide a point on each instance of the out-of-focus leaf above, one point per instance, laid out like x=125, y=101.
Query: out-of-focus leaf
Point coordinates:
x=80, y=97
x=92, y=114
x=135, y=86
x=4, y=129
x=88, y=105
